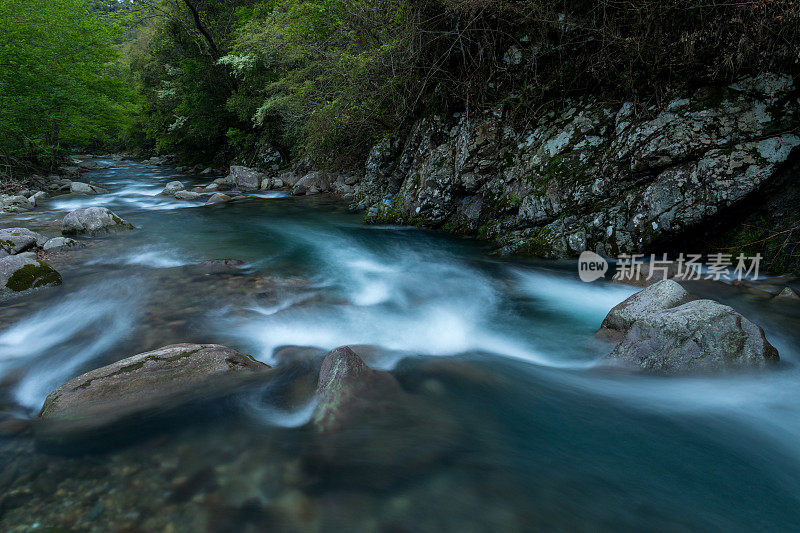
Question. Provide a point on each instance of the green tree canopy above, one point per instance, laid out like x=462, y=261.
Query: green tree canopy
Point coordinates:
x=57, y=86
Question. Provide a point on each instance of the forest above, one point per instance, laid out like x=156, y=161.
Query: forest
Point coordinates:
x=323, y=80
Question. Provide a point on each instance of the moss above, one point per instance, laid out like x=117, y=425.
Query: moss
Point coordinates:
x=539, y=245
x=32, y=277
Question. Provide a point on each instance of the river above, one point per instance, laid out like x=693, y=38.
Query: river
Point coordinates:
x=548, y=438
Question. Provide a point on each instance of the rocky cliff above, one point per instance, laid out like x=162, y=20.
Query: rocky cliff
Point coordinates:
x=613, y=178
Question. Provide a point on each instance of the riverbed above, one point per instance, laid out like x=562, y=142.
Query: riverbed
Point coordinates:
x=505, y=348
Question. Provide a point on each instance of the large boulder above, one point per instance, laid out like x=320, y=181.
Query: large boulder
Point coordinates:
x=149, y=382
x=245, y=178
x=354, y=400
x=16, y=240
x=93, y=221
x=171, y=188
x=19, y=273
x=701, y=336
x=311, y=183
x=665, y=294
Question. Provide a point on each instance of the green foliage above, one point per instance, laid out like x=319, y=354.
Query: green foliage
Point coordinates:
x=58, y=89
x=325, y=79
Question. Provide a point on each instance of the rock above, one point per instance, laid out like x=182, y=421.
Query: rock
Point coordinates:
x=70, y=171
x=212, y=187
x=188, y=195
x=348, y=389
x=37, y=198
x=354, y=400
x=311, y=183
x=58, y=244
x=84, y=188
x=277, y=183
x=93, y=221
x=78, y=187
x=787, y=293
x=245, y=178
x=665, y=294
x=86, y=164
x=158, y=380
x=701, y=336
x=171, y=188
x=220, y=266
x=266, y=184
x=609, y=178
x=15, y=203
x=218, y=198
x=17, y=240
x=206, y=171
x=19, y=274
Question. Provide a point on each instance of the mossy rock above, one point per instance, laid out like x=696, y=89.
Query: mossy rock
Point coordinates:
x=19, y=273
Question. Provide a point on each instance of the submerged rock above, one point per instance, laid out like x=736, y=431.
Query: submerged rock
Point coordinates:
x=17, y=240
x=188, y=195
x=353, y=401
x=665, y=294
x=156, y=380
x=93, y=221
x=218, y=198
x=20, y=273
x=696, y=337
x=220, y=266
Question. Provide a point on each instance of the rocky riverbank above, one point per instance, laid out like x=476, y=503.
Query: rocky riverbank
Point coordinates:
x=608, y=177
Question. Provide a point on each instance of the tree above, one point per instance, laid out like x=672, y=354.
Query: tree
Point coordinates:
x=57, y=87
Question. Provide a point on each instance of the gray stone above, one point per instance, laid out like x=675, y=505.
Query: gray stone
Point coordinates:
x=78, y=187
x=701, y=336
x=21, y=273
x=188, y=195
x=37, y=198
x=245, y=178
x=58, y=244
x=218, y=198
x=354, y=400
x=311, y=183
x=93, y=221
x=15, y=203
x=16, y=240
x=156, y=380
x=171, y=188
x=665, y=294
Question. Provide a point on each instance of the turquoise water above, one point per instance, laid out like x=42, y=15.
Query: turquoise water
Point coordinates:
x=539, y=435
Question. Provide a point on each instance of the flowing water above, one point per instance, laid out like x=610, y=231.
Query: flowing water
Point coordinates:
x=503, y=349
